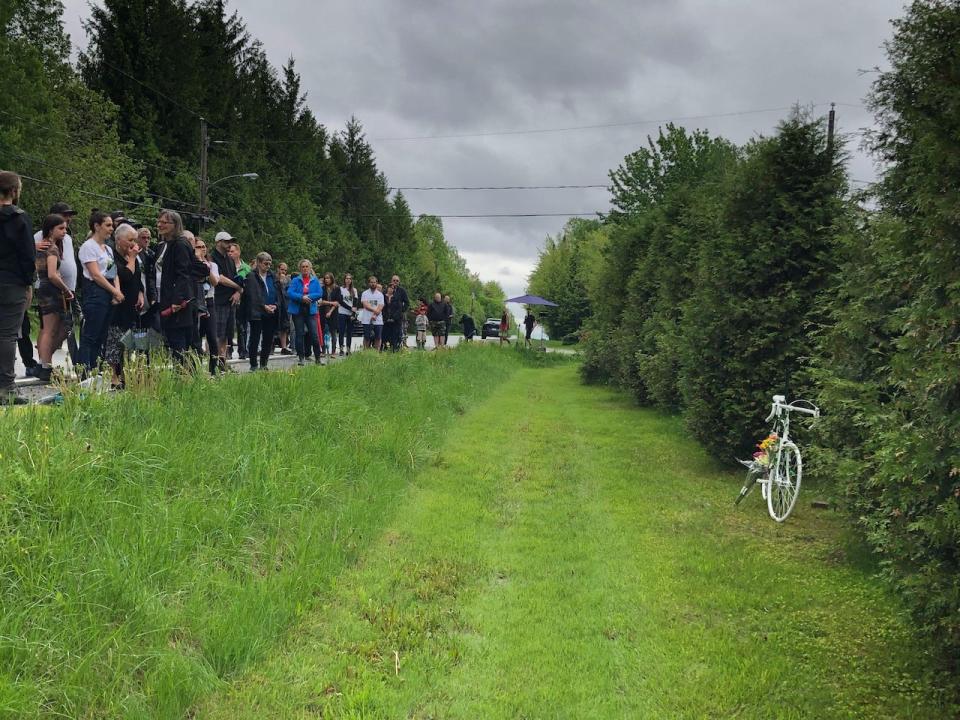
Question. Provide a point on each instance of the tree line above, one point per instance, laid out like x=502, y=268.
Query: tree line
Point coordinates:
x=724, y=274
x=120, y=129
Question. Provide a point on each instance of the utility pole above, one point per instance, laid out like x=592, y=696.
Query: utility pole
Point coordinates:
x=204, y=179
x=831, y=123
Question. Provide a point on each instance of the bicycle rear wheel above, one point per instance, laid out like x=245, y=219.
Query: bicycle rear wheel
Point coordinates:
x=784, y=482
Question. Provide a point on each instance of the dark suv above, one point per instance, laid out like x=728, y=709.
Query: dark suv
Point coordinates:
x=491, y=328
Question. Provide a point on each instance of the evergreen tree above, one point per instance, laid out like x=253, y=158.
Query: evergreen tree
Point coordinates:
x=746, y=325
x=888, y=360
x=558, y=277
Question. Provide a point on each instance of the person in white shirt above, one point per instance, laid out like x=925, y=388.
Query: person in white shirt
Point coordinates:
x=371, y=316
x=101, y=290
x=345, y=313
x=208, y=325
x=68, y=273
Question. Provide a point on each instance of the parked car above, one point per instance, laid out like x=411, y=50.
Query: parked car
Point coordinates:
x=491, y=328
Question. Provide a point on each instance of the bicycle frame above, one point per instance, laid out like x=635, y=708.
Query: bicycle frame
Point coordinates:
x=777, y=475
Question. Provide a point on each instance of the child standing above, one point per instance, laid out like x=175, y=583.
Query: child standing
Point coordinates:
x=420, y=320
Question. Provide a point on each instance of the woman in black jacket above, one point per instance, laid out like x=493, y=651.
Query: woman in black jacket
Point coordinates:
x=392, y=319
x=17, y=273
x=177, y=282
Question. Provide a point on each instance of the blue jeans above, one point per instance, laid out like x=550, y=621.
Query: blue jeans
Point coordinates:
x=372, y=333
x=300, y=320
x=96, y=321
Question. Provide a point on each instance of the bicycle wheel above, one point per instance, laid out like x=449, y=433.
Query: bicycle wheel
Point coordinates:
x=784, y=482
x=752, y=476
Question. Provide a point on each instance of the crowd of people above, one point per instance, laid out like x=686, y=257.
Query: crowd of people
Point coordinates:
x=125, y=290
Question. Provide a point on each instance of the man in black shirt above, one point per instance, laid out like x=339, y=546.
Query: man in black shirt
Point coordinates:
x=400, y=296
x=437, y=316
x=226, y=295
x=528, y=323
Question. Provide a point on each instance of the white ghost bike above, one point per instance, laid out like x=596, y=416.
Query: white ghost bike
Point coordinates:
x=779, y=476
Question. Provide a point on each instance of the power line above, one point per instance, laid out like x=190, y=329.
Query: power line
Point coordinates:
x=69, y=136
x=152, y=89
x=88, y=179
x=592, y=213
x=532, y=131
x=504, y=187
x=628, y=123
x=101, y=195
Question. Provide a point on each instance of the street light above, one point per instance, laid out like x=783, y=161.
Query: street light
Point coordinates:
x=250, y=176
x=206, y=185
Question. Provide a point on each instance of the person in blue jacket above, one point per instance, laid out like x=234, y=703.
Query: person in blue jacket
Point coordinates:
x=302, y=294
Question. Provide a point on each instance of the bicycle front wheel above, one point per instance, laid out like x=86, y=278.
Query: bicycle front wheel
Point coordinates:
x=784, y=482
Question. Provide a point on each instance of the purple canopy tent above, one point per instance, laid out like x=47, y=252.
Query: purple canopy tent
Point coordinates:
x=532, y=300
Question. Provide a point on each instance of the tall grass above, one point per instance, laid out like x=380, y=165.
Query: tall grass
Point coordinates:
x=157, y=543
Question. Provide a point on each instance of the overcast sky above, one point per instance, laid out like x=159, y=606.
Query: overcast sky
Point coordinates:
x=431, y=68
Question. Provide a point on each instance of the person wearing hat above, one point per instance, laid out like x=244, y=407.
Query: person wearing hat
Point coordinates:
x=227, y=293
x=68, y=273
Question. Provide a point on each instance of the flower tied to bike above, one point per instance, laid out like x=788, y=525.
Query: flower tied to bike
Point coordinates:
x=767, y=448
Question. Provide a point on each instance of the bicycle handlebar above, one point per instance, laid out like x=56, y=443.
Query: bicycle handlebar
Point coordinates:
x=779, y=404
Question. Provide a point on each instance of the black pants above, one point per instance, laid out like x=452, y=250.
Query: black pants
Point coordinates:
x=196, y=334
x=178, y=340
x=344, y=331
x=13, y=305
x=391, y=334
x=208, y=329
x=24, y=343
x=262, y=333
x=242, y=331
x=330, y=323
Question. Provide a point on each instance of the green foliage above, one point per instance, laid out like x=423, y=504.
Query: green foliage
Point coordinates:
x=560, y=277
x=887, y=360
x=782, y=286
x=76, y=155
x=662, y=199
x=436, y=266
x=150, y=70
x=745, y=325
x=572, y=543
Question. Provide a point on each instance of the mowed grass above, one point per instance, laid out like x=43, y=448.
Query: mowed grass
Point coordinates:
x=155, y=545
x=565, y=555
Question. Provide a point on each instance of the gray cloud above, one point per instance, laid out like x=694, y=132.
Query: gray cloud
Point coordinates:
x=437, y=68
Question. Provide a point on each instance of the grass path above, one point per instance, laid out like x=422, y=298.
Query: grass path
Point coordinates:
x=565, y=555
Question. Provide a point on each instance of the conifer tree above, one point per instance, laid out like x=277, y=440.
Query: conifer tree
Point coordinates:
x=746, y=326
